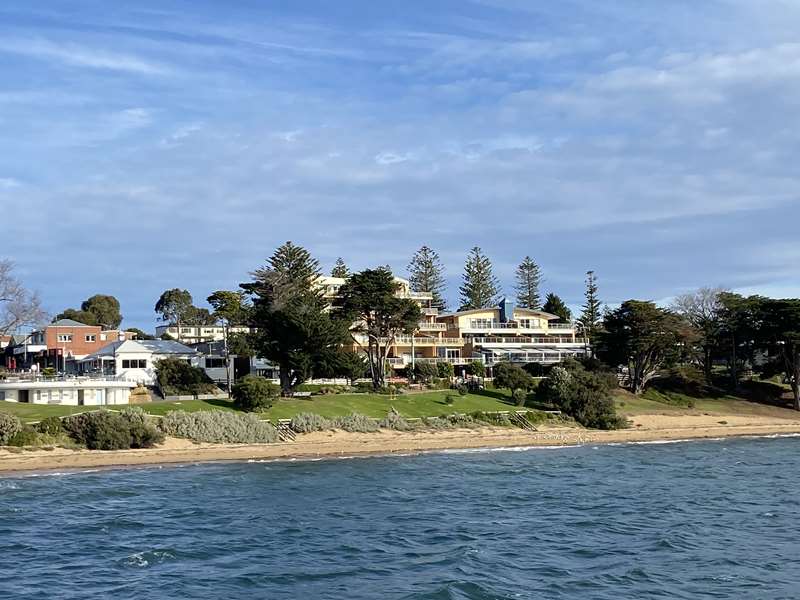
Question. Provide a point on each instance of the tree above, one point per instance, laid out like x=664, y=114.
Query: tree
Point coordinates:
x=426, y=274
x=510, y=376
x=100, y=309
x=19, y=307
x=81, y=316
x=140, y=335
x=555, y=306
x=702, y=310
x=642, y=337
x=230, y=309
x=480, y=288
x=369, y=299
x=105, y=308
x=293, y=327
x=175, y=307
x=780, y=335
x=340, y=269
x=527, y=285
x=352, y=365
x=739, y=326
x=590, y=317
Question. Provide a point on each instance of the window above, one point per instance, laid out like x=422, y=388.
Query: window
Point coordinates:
x=215, y=363
x=134, y=363
x=102, y=337
x=64, y=337
x=186, y=330
x=91, y=338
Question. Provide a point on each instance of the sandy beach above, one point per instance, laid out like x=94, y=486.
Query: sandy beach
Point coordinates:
x=646, y=428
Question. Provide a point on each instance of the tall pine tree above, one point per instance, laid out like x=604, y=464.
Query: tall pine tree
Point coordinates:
x=340, y=269
x=426, y=274
x=527, y=285
x=590, y=317
x=555, y=306
x=480, y=288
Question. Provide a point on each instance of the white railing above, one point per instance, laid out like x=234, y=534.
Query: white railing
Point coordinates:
x=426, y=326
x=525, y=340
x=431, y=312
x=561, y=326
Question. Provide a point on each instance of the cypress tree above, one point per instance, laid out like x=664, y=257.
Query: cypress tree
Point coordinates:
x=527, y=286
x=555, y=306
x=340, y=269
x=480, y=288
x=426, y=274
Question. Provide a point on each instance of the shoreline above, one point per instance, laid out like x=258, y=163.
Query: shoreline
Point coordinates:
x=339, y=444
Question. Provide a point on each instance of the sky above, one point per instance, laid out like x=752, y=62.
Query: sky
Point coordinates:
x=169, y=143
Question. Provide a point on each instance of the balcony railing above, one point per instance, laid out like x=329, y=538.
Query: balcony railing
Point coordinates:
x=430, y=312
x=406, y=340
x=561, y=326
x=525, y=340
x=427, y=326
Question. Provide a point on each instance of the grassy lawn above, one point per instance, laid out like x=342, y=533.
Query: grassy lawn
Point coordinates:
x=425, y=404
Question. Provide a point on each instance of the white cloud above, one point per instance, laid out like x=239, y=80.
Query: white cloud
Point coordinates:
x=80, y=56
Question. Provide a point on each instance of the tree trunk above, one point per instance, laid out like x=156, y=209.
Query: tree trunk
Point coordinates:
x=285, y=375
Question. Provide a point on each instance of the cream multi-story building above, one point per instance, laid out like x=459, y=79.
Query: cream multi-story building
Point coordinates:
x=517, y=335
x=429, y=343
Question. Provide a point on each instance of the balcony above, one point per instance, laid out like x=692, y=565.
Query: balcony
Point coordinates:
x=517, y=341
x=406, y=340
x=561, y=326
x=428, y=326
x=430, y=312
x=403, y=361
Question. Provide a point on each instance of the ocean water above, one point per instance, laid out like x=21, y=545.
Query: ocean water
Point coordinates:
x=714, y=519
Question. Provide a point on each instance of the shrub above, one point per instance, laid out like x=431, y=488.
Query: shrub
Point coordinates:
x=584, y=395
x=445, y=370
x=27, y=436
x=437, y=423
x=356, y=423
x=394, y=420
x=103, y=430
x=327, y=390
x=176, y=376
x=476, y=368
x=218, y=427
x=253, y=393
x=9, y=427
x=535, y=369
x=462, y=421
x=50, y=426
x=425, y=371
x=449, y=399
x=308, y=422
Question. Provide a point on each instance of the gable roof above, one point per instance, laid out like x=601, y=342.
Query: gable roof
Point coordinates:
x=69, y=323
x=142, y=347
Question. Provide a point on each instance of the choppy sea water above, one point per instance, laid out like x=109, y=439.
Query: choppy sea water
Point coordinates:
x=688, y=520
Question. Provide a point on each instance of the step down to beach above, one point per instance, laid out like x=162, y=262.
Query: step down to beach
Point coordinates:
x=519, y=419
x=285, y=431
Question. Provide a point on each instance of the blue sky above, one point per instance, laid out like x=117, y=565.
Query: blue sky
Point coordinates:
x=152, y=145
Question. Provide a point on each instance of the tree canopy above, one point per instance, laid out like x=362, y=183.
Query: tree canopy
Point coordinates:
x=294, y=328
x=642, y=337
x=426, y=274
x=590, y=316
x=528, y=279
x=480, y=288
x=369, y=300
x=340, y=269
x=100, y=309
x=555, y=306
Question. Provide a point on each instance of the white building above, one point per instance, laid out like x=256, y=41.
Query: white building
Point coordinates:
x=70, y=391
x=195, y=334
x=135, y=360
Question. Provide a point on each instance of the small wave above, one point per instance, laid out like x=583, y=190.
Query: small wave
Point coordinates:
x=504, y=449
x=141, y=560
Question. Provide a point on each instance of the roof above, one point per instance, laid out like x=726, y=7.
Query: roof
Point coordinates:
x=142, y=347
x=517, y=309
x=69, y=323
